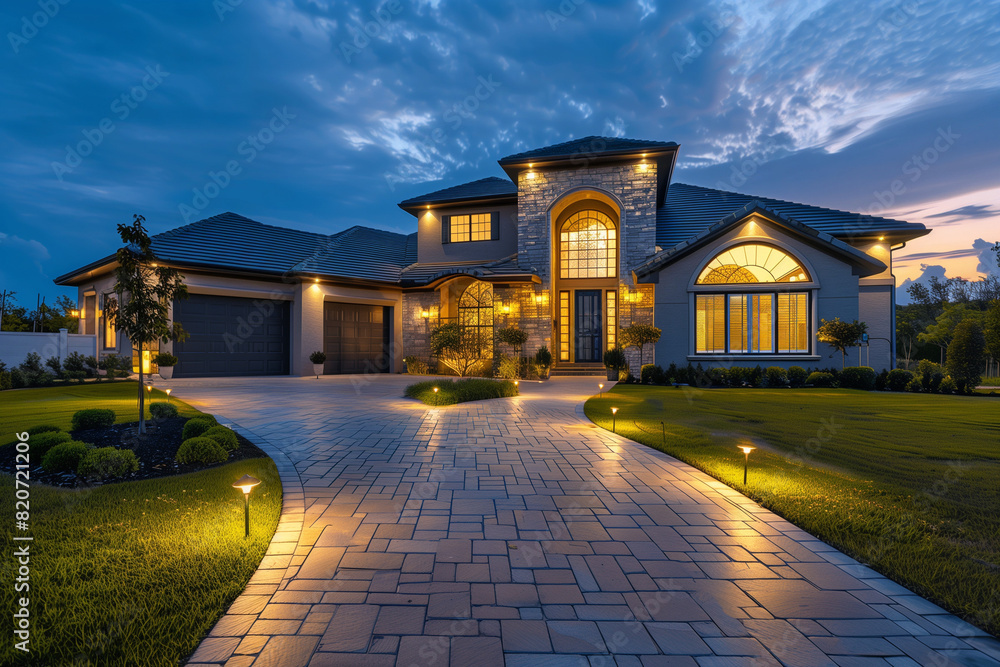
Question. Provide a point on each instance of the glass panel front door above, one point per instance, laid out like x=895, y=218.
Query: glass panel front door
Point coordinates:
x=588, y=325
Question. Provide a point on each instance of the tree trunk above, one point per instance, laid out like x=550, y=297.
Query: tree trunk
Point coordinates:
x=843, y=359
x=142, y=399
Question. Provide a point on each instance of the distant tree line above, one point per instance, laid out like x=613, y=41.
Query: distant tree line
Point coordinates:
x=46, y=317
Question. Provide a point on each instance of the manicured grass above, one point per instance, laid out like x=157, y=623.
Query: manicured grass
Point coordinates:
x=23, y=408
x=459, y=391
x=137, y=573
x=906, y=483
x=134, y=573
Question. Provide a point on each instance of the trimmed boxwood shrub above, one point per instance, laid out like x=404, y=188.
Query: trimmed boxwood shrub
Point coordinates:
x=223, y=436
x=898, y=379
x=797, y=376
x=93, y=418
x=197, y=425
x=43, y=428
x=651, y=374
x=201, y=450
x=108, y=463
x=858, y=377
x=820, y=379
x=882, y=380
x=776, y=376
x=162, y=410
x=43, y=442
x=65, y=457
x=948, y=386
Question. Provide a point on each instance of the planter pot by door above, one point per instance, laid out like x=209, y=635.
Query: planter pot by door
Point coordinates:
x=166, y=372
x=318, y=369
x=612, y=375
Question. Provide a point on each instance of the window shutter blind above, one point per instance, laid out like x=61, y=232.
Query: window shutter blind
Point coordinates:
x=495, y=226
x=445, y=229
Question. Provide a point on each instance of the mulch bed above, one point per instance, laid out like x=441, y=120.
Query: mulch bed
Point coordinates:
x=155, y=450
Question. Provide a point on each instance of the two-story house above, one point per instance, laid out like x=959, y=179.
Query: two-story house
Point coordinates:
x=578, y=241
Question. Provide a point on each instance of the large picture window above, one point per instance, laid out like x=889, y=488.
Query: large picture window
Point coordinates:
x=752, y=322
x=588, y=246
x=475, y=315
x=473, y=227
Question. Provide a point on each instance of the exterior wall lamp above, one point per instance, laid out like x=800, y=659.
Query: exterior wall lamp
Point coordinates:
x=246, y=484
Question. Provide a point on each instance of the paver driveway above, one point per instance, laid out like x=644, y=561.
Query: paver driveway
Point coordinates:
x=515, y=531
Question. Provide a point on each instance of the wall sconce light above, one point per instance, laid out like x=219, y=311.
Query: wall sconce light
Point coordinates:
x=614, y=416
x=246, y=484
x=74, y=313
x=506, y=309
x=643, y=166
x=881, y=238
x=425, y=314
x=539, y=298
x=746, y=461
x=531, y=175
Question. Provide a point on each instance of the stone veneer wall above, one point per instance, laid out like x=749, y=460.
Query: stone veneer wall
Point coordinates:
x=529, y=311
x=417, y=329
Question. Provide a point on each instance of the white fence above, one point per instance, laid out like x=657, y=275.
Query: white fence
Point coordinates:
x=15, y=345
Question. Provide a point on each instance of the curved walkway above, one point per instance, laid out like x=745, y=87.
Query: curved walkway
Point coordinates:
x=515, y=532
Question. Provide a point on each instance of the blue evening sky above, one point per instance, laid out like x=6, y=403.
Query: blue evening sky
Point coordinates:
x=327, y=114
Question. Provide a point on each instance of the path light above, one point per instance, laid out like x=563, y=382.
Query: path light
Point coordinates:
x=435, y=390
x=516, y=382
x=168, y=395
x=614, y=413
x=600, y=386
x=246, y=484
x=746, y=462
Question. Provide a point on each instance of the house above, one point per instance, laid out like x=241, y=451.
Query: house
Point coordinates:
x=578, y=241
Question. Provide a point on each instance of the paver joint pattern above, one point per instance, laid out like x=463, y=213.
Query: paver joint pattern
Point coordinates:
x=515, y=532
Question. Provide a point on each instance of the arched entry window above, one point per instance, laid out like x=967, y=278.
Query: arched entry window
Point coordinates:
x=588, y=246
x=757, y=322
x=475, y=315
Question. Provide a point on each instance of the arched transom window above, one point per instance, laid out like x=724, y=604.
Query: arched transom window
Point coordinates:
x=752, y=263
x=475, y=314
x=588, y=246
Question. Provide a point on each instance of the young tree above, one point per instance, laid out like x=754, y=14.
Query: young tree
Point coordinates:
x=145, y=291
x=455, y=348
x=966, y=355
x=514, y=337
x=841, y=335
x=640, y=335
x=991, y=330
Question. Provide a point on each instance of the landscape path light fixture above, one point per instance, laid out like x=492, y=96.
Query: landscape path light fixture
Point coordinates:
x=246, y=484
x=746, y=461
x=600, y=385
x=614, y=416
x=168, y=395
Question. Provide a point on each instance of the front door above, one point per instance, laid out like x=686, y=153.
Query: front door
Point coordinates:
x=588, y=325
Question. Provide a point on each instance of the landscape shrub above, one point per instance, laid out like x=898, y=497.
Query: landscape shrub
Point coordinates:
x=165, y=359
x=197, y=425
x=755, y=376
x=107, y=463
x=65, y=457
x=820, y=379
x=898, y=379
x=459, y=391
x=92, y=365
x=882, y=380
x=201, y=450
x=717, y=376
x=55, y=365
x=797, y=376
x=223, y=436
x=93, y=418
x=5, y=380
x=651, y=374
x=115, y=366
x=75, y=363
x=17, y=379
x=775, y=376
x=915, y=385
x=508, y=367
x=858, y=377
x=615, y=359
x=43, y=428
x=162, y=410
x=930, y=375
x=415, y=365
x=737, y=376
x=42, y=443
x=543, y=360
x=948, y=386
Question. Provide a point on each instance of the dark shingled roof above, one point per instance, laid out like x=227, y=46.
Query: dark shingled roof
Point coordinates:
x=484, y=188
x=592, y=145
x=506, y=268
x=231, y=241
x=690, y=209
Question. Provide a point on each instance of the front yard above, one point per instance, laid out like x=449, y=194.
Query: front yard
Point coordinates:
x=133, y=572
x=906, y=483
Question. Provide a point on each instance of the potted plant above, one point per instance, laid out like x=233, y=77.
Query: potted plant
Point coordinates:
x=318, y=358
x=166, y=362
x=543, y=362
x=614, y=362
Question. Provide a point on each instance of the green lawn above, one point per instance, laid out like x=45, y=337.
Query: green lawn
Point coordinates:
x=904, y=482
x=23, y=408
x=133, y=573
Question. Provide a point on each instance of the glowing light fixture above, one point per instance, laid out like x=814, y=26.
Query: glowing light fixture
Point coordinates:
x=881, y=238
x=435, y=390
x=246, y=484
x=74, y=313
x=425, y=314
x=600, y=385
x=614, y=417
x=746, y=461
x=316, y=280
x=168, y=395
x=506, y=309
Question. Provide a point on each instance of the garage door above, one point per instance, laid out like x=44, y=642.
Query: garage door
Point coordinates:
x=356, y=338
x=232, y=336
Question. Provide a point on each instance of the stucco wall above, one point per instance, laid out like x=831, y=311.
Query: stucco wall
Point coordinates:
x=431, y=250
x=837, y=295
x=15, y=346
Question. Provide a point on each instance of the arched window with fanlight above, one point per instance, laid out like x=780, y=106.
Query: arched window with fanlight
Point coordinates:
x=588, y=246
x=750, y=318
x=475, y=315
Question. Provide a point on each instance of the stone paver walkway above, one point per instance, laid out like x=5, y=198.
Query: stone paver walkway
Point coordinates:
x=515, y=532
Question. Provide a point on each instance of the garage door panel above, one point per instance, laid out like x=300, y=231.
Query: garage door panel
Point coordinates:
x=356, y=338
x=232, y=336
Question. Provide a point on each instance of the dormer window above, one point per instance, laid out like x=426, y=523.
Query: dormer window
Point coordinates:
x=471, y=227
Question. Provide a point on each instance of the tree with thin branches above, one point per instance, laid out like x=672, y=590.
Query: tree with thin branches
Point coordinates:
x=145, y=290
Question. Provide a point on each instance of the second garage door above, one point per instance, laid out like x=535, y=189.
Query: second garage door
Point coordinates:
x=231, y=336
x=356, y=338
